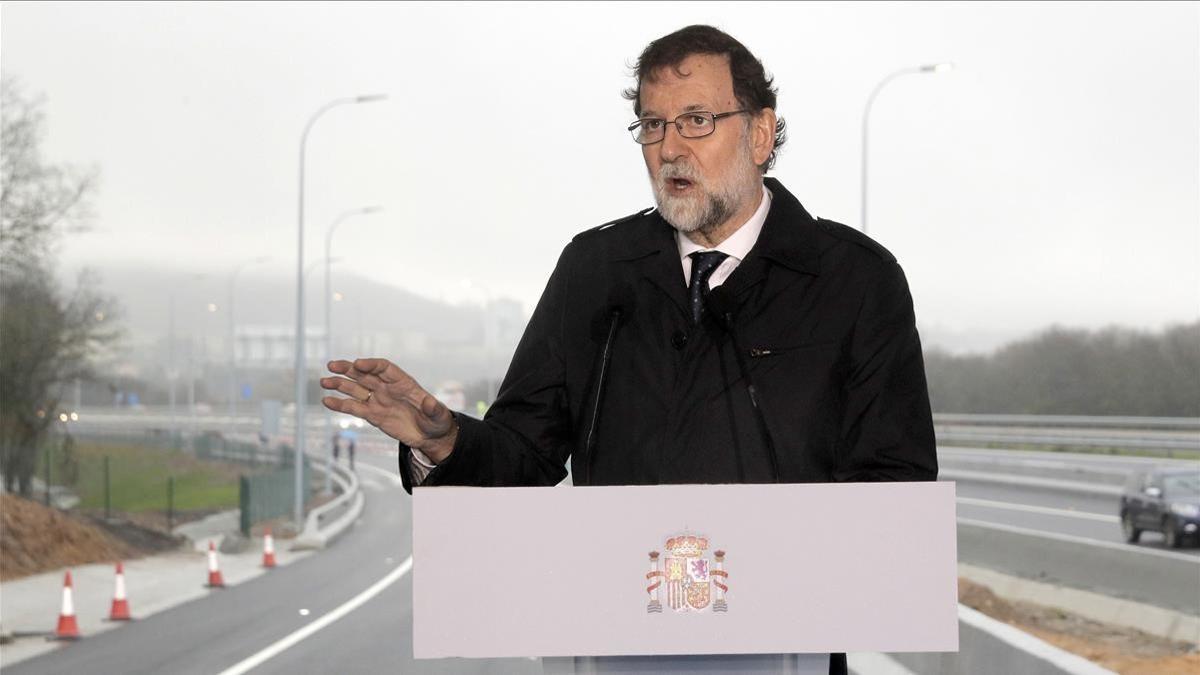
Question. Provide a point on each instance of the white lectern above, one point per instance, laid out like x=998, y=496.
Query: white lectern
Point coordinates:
x=614, y=577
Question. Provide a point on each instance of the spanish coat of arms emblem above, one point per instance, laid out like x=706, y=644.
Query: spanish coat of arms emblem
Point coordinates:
x=689, y=580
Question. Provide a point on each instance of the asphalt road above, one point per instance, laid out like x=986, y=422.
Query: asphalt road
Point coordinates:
x=1068, y=537
x=1065, y=512
x=223, y=629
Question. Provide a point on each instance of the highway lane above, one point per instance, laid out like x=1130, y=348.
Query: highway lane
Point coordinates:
x=1072, y=539
x=377, y=637
x=224, y=628
x=1044, y=509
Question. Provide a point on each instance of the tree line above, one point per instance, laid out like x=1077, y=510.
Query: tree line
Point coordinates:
x=49, y=335
x=1063, y=371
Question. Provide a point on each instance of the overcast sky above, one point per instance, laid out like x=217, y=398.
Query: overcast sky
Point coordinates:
x=1052, y=177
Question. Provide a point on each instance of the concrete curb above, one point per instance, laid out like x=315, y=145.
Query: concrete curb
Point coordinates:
x=1148, y=618
x=214, y=528
x=316, y=536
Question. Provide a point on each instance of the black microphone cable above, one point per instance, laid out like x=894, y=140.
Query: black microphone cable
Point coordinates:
x=721, y=303
x=620, y=302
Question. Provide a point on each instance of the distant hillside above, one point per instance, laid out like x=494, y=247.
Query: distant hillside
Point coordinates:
x=1061, y=371
x=145, y=295
x=434, y=340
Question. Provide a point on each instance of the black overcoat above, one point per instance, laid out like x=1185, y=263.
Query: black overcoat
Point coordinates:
x=826, y=324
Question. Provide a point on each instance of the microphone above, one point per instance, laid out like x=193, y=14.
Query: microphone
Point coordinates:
x=722, y=305
x=620, y=305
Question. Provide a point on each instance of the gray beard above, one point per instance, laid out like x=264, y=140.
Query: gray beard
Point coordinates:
x=702, y=213
x=705, y=211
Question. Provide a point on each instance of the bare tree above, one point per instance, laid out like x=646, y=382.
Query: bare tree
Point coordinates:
x=46, y=336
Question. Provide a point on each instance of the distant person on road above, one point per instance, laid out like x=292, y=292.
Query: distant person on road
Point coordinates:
x=345, y=437
x=724, y=336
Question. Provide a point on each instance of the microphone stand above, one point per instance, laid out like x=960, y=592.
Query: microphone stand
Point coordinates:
x=721, y=304
x=605, y=357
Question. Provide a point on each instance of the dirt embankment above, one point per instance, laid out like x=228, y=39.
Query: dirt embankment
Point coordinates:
x=1123, y=650
x=34, y=538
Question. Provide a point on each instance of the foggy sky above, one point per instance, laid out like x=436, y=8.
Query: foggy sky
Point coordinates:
x=1053, y=177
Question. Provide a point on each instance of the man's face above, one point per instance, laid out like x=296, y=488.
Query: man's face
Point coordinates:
x=703, y=183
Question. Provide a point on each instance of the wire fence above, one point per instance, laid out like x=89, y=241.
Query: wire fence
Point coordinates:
x=164, y=479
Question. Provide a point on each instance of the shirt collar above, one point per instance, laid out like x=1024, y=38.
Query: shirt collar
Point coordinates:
x=738, y=245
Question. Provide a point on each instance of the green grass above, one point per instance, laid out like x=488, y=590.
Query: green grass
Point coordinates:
x=138, y=478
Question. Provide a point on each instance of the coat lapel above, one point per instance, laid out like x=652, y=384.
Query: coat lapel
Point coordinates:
x=654, y=251
x=784, y=252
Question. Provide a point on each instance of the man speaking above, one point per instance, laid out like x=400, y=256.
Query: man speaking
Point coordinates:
x=725, y=336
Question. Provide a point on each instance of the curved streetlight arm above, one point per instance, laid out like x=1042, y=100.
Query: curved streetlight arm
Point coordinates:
x=300, y=365
x=866, y=118
x=329, y=310
x=342, y=217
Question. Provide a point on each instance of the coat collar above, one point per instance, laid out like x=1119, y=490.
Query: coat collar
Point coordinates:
x=787, y=240
x=786, y=236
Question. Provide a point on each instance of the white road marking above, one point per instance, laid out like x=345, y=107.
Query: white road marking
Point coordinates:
x=350, y=605
x=1082, y=540
x=1009, y=506
x=390, y=475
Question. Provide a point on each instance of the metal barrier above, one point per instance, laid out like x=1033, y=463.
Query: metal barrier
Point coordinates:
x=320, y=528
x=1083, y=421
x=1169, y=434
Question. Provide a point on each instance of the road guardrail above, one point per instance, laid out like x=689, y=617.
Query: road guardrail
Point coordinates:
x=1168, y=434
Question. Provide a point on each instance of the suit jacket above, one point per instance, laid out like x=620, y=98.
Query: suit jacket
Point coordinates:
x=825, y=321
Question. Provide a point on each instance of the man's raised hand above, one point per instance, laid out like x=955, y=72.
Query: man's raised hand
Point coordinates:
x=391, y=400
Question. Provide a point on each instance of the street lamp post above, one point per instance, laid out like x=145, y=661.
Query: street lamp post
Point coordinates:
x=928, y=68
x=301, y=378
x=329, y=322
x=233, y=337
x=172, y=360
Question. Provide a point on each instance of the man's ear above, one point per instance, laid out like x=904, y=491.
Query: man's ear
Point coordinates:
x=763, y=136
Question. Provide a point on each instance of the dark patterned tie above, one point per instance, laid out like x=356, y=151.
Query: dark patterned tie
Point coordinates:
x=704, y=263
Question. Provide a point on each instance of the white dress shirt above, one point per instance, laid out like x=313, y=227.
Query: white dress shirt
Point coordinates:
x=736, y=247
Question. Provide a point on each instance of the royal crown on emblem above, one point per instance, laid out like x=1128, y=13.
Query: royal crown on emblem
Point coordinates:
x=687, y=546
x=691, y=581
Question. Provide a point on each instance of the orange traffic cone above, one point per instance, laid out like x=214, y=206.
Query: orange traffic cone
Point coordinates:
x=214, y=573
x=268, y=549
x=120, y=605
x=68, y=628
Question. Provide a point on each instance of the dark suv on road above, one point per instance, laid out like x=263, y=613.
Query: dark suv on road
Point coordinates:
x=1162, y=500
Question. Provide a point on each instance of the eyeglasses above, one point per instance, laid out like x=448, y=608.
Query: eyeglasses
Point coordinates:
x=695, y=124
